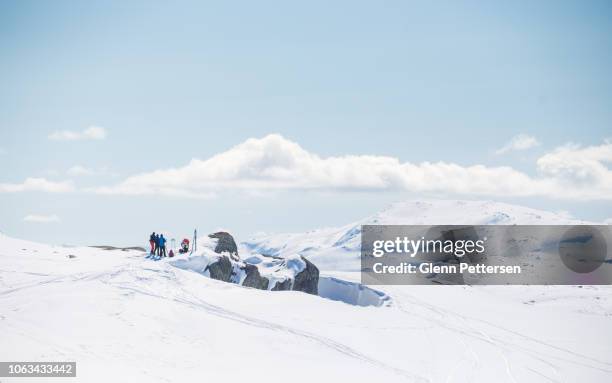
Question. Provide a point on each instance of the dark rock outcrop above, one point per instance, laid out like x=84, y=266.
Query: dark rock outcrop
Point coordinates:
x=226, y=243
x=253, y=278
x=106, y=247
x=221, y=269
x=228, y=267
x=307, y=280
x=282, y=286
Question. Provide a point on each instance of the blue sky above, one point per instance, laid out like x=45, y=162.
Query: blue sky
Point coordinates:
x=172, y=81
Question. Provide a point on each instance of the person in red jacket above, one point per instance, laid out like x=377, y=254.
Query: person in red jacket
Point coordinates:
x=152, y=242
x=184, y=246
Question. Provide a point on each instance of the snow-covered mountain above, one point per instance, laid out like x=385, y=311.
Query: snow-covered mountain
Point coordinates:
x=338, y=248
x=125, y=318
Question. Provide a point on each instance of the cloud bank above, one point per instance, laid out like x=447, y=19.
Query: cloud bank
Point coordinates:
x=91, y=133
x=37, y=185
x=275, y=163
x=41, y=218
x=517, y=143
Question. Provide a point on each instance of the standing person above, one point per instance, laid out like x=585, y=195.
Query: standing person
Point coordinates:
x=162, y=245
x=152, y=242
x=157, y=244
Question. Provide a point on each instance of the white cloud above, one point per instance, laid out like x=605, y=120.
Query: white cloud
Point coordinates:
x=584, y=169
x=91, y=133
x=78, y=170
x=37, y=184
x=519, y=142
x=41, y=218
x=275, y=163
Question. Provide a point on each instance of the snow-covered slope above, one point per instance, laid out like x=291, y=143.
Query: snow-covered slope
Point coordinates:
x=124, y=318
x=338, y=248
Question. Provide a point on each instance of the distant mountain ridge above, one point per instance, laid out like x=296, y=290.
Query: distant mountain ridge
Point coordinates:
x=337, y=248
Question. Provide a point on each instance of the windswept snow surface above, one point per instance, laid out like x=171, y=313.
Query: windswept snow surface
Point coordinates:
x=124, y=318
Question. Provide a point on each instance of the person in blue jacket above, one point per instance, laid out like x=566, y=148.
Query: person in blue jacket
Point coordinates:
x=162, y=246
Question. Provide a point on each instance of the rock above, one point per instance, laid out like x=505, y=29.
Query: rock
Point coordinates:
x=253, y=278
x=289, y=273
x=307, y=280
x=221, y=269
x=225, y=243
x=282, y=286
x=106, y=247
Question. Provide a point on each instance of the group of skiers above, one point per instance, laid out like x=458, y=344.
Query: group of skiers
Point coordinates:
x=158, y=246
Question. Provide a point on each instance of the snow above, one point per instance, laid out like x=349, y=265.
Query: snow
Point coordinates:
x=351, y=292
x=125, y=318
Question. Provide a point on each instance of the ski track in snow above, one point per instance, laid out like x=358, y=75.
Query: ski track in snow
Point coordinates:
x=189, y=299
x=139, y=277
x=475, y=331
